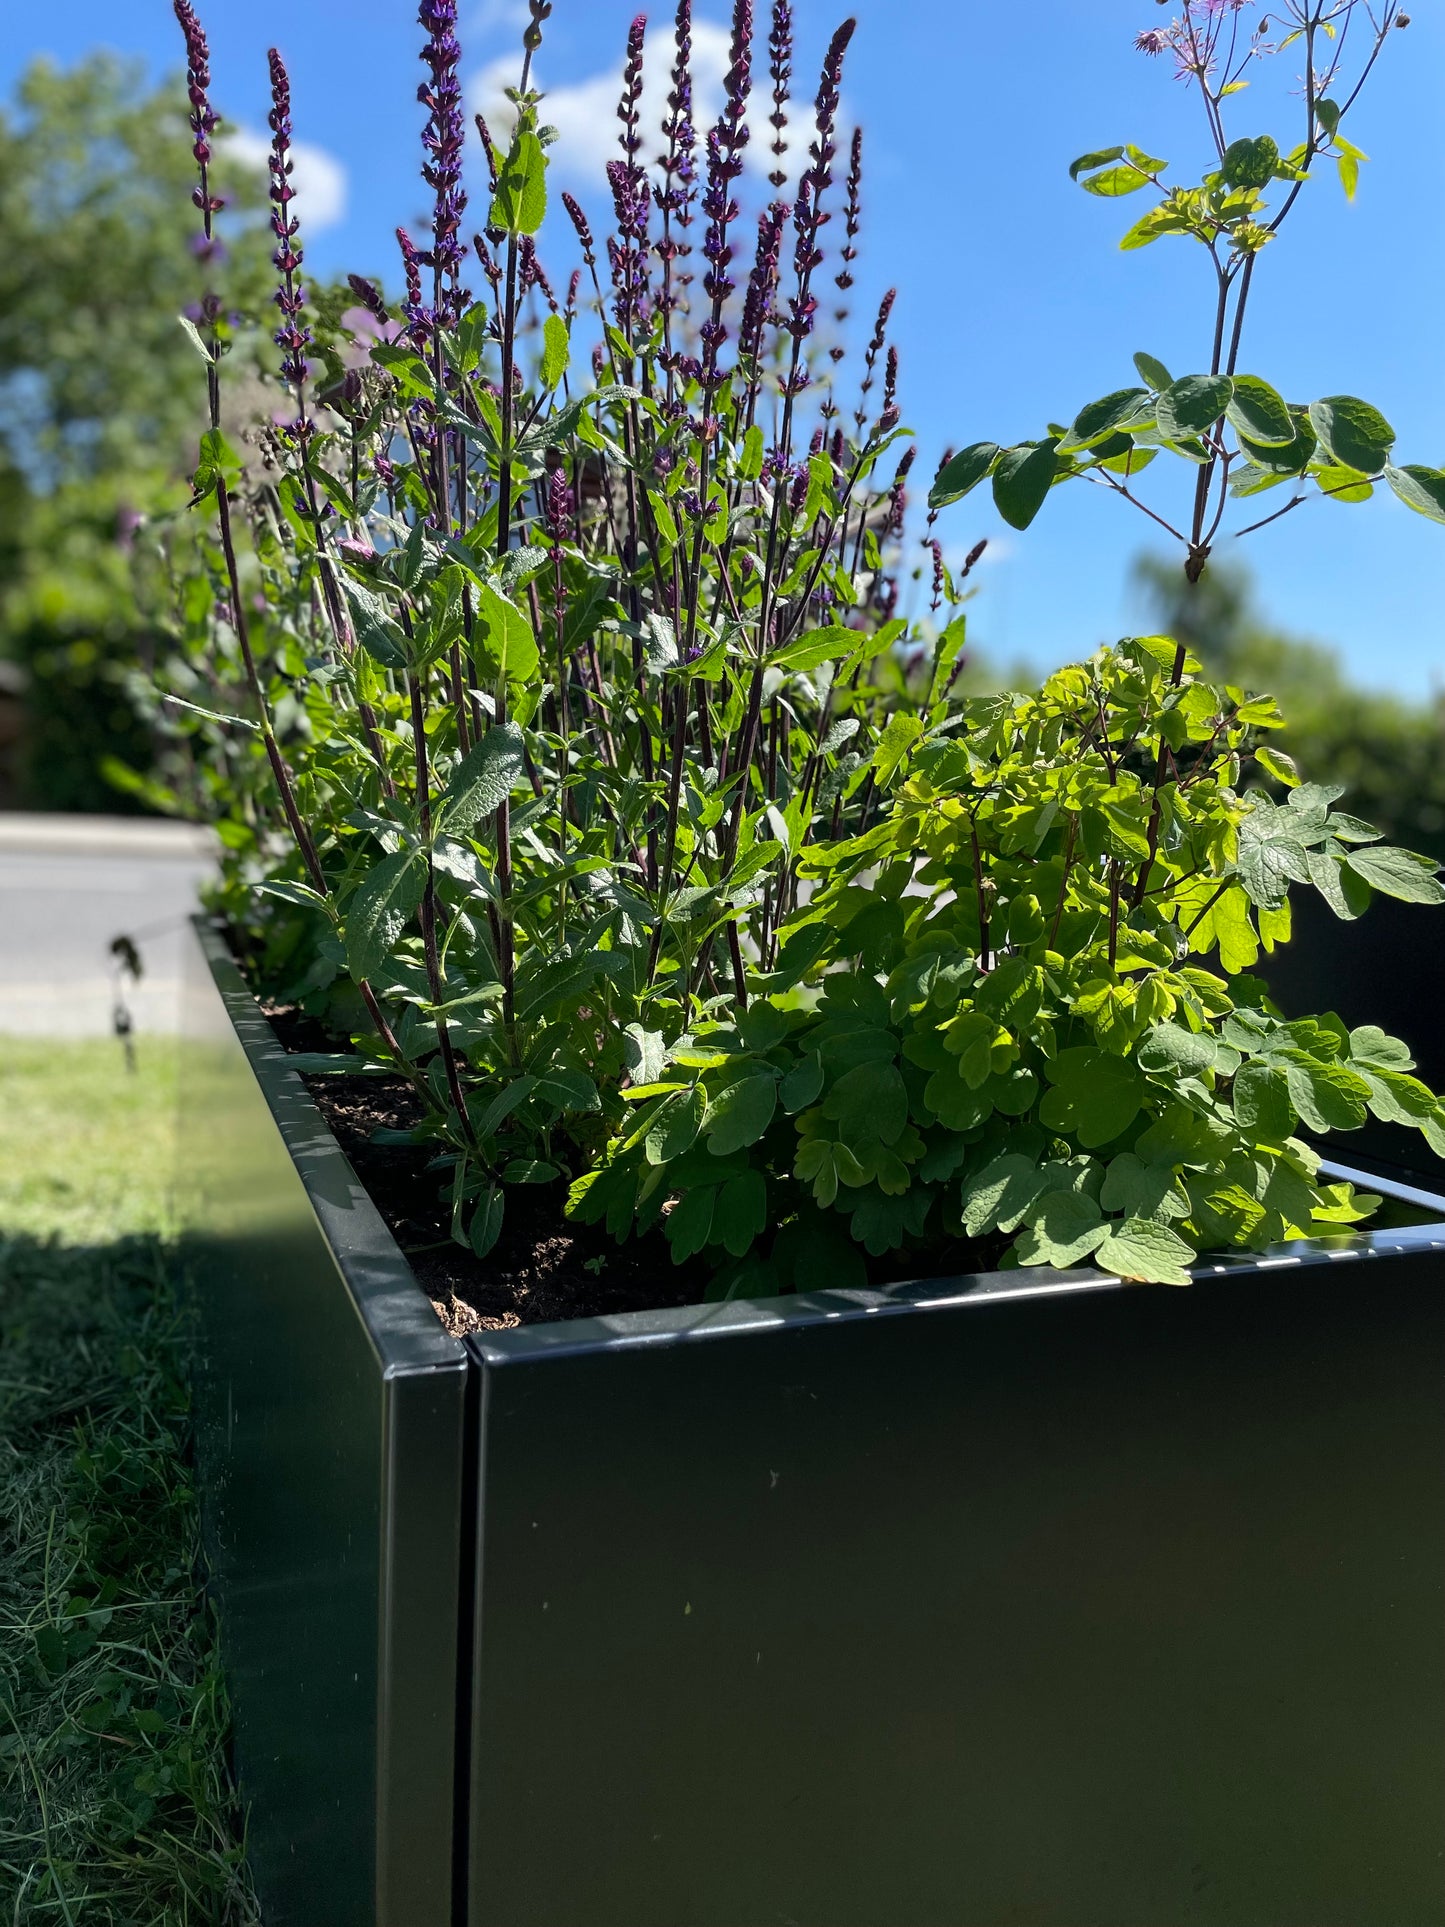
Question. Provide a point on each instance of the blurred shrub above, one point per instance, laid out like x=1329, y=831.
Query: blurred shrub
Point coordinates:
x=1387, y=751
x=99, y=408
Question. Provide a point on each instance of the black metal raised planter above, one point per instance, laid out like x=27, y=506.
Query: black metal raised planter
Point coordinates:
x=986, y=1601
x=331, y=1411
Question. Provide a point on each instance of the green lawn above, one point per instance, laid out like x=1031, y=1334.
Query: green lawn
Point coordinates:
x=115, y=1808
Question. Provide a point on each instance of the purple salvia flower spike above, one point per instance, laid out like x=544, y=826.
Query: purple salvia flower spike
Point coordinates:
x=293, y=337
x=443, y=139
x=780, y=70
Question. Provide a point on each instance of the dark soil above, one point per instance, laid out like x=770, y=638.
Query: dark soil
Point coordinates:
x=544, y=1266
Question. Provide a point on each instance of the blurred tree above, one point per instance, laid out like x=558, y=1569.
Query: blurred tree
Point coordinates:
x=101, y=393
x=1389, y=753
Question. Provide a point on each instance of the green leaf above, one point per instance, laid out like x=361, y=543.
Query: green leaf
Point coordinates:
x=1271, y=853
x=556, y=351
x=1284, y=458
x=1002, y=1191
x=741, y=1212
x=379, y=911
x=1260, y=413
x=1372, y=1046
x=1145, y=1250
x=1398, y=1099
x=1101, y=418
x=1352, y=433
x=1172, y=1046
x=484, y=779
x=1250, y=163
x=961, y=472
x=738, y=1115
x=689, y=1224
x=1066, y=1227
x=1100, y=159
x=1341, y=484
x=502, y=639
x=1111, y=182
x=1275, y=763
x=1261, y=1102
x=486, y=1225
x=1095, y=1095
x=1421, y=489
x=822, y=645
x=869, y=1104
x=900, y=734
x=1135, y=1189
x=1192, y=404
x=383, y=639
x=802, y=1084
x=1154, y=372
x=1398, y=873
x=675, y=1128
x=1022, y=478
x=520, y=202
x=1328, y=1097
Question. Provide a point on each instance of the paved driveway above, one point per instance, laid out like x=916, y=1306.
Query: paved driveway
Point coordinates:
x=69, y=885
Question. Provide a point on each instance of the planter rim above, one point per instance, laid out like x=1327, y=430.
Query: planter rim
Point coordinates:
x=396, y=1314
x=408, y=1336
x=636, y=1330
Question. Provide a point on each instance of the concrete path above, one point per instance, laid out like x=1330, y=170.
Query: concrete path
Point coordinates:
x=69, y=885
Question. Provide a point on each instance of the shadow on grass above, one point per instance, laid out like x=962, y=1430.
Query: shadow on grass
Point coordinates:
x=115, y=1800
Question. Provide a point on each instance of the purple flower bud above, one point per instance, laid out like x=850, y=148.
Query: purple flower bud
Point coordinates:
x=560, y=508
x=203, y=120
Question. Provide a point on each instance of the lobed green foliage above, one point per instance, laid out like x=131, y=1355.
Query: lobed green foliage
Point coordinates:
x=993, y=1013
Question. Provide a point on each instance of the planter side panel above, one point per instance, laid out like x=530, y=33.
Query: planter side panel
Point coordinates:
x=329, y=1423
x=1114, y=1608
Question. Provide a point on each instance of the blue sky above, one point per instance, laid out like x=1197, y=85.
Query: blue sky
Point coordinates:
x=1015, y=305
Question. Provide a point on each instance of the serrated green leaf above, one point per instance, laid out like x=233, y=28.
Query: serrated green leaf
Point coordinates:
x=376, y=916
x=519, y=205
x=556, y=351
x=484, y=779
x=502, y=639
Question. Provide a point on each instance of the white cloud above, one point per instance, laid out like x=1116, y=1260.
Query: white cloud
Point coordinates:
x=320, y=180
x=585, y=112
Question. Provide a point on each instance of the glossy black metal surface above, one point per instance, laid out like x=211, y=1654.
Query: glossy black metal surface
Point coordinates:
x=1078, y=1605
x=330, y=1410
